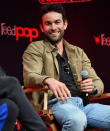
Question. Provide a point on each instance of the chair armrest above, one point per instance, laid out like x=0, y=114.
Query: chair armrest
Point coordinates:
x=36, y=89
x=103, y=96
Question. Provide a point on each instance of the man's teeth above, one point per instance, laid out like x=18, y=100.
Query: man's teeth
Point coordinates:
x=54, y=33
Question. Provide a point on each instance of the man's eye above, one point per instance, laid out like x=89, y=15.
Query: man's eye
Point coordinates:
x=57, y=22
x=47, y=23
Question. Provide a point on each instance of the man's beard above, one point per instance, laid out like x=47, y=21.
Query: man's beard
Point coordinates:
x=55, y=41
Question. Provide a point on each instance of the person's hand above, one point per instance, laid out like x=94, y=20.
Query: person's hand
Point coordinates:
x=86, y=85
x=58, y=88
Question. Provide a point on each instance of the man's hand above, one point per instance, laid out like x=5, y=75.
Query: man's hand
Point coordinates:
x=58, y=88
x=87, y=85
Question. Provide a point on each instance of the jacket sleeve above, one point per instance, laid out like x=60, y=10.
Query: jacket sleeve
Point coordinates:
x=33, y=64
x=86, y=65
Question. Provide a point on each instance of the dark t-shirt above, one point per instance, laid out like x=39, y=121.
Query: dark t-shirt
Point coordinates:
x=65, y=74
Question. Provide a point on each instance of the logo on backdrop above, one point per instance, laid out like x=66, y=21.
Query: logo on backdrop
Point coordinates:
x=102, y=40
x=18, y=32
x=62, y=1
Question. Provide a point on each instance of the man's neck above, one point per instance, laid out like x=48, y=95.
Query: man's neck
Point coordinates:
x=59, y=46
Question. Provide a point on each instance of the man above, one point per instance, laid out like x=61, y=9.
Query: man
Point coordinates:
x=58, y=64
x=15, y=105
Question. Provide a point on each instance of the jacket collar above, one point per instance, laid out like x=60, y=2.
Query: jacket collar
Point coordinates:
x=51, y=48
x=70, y=49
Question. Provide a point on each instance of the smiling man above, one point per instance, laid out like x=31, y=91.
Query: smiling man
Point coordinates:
x=53, y=26
x=58, y=64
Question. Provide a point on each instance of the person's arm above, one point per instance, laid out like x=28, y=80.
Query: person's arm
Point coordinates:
x=58, y=88
x=93, y=80
x=33, y=65
x=33, y=62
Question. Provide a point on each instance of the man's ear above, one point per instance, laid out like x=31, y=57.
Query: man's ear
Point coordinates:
x=65, y=24
x=41, y=27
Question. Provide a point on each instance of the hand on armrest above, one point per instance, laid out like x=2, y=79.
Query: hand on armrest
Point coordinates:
x=58, y=88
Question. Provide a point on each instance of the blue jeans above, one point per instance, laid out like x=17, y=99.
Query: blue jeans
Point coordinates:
x=73, y=116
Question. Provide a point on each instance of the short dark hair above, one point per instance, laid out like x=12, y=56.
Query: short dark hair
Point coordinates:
x=53, y=7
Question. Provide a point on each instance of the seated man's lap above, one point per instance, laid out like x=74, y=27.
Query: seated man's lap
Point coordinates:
x=98, y=115
x=68, y=110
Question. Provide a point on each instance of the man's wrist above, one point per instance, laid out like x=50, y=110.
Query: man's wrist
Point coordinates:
x=46, y=80
x=94, y=91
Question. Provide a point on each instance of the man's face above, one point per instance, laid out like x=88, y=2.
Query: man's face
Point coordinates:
x=53, y=26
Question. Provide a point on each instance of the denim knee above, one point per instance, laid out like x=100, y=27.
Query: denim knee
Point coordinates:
x=75, y=123
x=69, y=116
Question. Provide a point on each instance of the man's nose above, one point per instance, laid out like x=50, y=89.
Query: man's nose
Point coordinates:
x=53, y=27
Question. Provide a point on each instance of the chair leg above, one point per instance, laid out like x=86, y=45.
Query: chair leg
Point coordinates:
x=53, y=127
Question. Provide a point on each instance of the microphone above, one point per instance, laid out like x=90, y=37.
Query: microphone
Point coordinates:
x=84, y=75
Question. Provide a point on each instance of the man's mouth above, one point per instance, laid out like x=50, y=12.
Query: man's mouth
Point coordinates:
x=54, y=33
